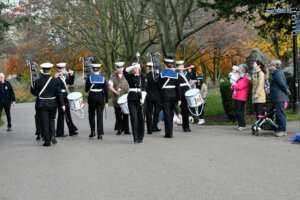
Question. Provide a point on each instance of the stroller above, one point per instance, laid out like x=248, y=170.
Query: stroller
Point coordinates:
x=265, y=122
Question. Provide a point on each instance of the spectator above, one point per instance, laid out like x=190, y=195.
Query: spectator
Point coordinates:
x=200, y=84
x=279, y=92
x=7, y=97
x=240, y=96
x=258, y=91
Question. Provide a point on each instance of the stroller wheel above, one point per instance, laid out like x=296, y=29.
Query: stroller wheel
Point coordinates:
x=253, y=131
x=256, y=133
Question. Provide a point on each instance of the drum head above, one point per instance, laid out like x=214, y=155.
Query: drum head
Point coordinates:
x=192, y=92
x=74, y=96
x=122, y=99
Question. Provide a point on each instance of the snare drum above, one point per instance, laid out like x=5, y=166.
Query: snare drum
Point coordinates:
x=193, y=98
x=122, y=101
x=75, y=100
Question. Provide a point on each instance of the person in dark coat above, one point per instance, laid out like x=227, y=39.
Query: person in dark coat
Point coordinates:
x=169, y=86
x=7, y=97
x=136, y=86
x=65, y=79
x=48, y=91
x=279, y=92
x=152, y=100
x=97, y=99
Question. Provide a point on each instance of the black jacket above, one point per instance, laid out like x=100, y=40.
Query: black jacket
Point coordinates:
x=53, y=90
x=69, y=80
x=152, y=87
x=7, y=95
x=95, y=97
x=135, y=81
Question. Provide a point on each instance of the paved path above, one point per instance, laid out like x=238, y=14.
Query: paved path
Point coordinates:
x=212, y=162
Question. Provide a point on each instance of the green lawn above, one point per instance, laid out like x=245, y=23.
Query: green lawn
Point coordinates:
x=214, y=108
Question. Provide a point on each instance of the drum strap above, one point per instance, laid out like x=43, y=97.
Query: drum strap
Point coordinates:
x=62, y=78
x=45, y=86
x=183, y=76
x=168, y=86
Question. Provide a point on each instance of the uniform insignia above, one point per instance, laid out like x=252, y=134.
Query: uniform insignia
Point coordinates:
x=146, y=80
x=6, y=88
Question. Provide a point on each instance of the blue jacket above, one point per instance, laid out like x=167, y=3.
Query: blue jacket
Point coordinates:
x=7, y=94
x=278, y=87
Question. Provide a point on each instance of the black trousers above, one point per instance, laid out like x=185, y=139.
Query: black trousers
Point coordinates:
x=47, y=115
x=137, y=121
x=7, y=112
x=185, y=113
x=168, y=110
x=239, y=109
x=37, y=119
x=258, y=109
x=122, y=123
x=61, y=120
x=95, y=107
x=152, y=117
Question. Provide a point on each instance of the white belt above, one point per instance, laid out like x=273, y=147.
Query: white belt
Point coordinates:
x=47, y=98
x=96, y=90
x=169, y=86
x=184, y=84
x=63, y=90
x=134, y=89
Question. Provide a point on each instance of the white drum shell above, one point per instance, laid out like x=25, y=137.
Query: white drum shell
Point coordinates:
x=193, y=98
x=122, y=101
x=75, y=100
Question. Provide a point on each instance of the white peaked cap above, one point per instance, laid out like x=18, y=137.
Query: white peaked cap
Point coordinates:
x=179, y=62
x=46, y=65
x=119, y=64
x=137, y=65
x=168, y=60
x=96, y=65
x=150, y=64
x=61, y=65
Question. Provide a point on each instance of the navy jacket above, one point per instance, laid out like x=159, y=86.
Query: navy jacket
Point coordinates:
x=278, y=87
x=7, y=95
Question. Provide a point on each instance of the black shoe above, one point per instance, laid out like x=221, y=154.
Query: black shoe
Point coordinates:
x=46, y=144
x=156, y=130
x=92, y=134
x=135, y=140
x=38, y=137
x=73, y=134
x=187, y=130
x=139, y=141
x=99, y=137
x=8, y=129
x=149, y=133
x=127, y=133
x=53, y=140
x=119, y=133
x=168, y=136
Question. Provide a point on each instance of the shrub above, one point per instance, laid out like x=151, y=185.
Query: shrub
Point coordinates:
x=22, y=91
x=227, y=101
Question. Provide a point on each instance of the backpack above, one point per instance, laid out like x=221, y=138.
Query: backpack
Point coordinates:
x=266, y=84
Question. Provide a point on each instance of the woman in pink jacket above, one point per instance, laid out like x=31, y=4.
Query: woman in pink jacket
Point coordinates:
x=240, y=96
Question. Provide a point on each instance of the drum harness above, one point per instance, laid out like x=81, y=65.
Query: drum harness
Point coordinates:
x=62, y=78
x=46, y=98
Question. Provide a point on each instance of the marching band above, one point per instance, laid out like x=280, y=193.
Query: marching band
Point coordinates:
x=135, y=95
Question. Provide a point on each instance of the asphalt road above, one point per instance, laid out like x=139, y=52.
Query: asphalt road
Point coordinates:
x=212, y=162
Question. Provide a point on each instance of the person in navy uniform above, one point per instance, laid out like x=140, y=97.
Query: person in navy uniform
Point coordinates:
x=97, y=88
x=136, y=86
x=7, y=97
x=169, y=86
x=64, y=80
x=48, y=92
x=152, y=100
x=184, y=78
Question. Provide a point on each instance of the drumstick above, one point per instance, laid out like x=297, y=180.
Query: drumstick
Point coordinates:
x=66, y=116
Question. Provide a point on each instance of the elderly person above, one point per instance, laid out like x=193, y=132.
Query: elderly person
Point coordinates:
x=240, y=96
x=7, y=97
x=279, y=92
x=258, y=91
